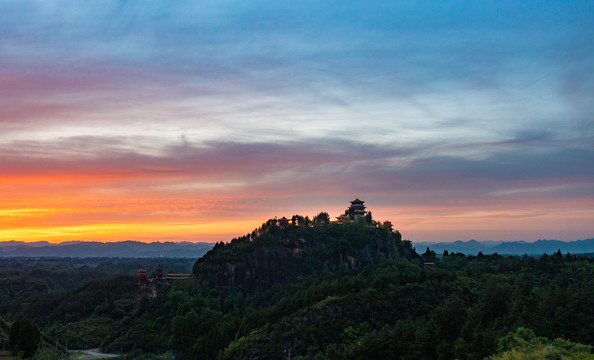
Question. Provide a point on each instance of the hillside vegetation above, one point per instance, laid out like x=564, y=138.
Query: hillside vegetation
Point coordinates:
x=312, y=289
x=273, y=253
x=361, y=293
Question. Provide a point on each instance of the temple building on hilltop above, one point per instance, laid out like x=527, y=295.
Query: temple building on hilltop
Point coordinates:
x=358, y=208
x=355, y=211
x=283, y=222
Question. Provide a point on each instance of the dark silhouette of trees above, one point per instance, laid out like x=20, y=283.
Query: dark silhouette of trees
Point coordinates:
x=322, y=219
x=429, y=255
x=368, y=218
x=24, y=338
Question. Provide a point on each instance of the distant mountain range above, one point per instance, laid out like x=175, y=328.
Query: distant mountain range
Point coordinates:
x=85, y=249
x=138, y=249
x=539, y=247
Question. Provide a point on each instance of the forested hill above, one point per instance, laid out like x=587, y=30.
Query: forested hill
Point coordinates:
x=278, y=252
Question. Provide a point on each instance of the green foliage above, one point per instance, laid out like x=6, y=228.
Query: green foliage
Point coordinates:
x=319, y=241
x=463, y=307
x=522, y=339
x=458, y=309
x=82, y=334
x=523, y=344
x=48, y=352
x=85, y=316
x=24, y=338
x=429, y=255
x=321, y=220
x=43, y=282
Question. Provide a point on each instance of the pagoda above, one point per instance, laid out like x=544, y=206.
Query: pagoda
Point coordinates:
x=357, y=208
x=355, y=211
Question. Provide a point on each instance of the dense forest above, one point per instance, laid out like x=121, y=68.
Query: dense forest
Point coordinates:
x=75, y=302
x=314, y=289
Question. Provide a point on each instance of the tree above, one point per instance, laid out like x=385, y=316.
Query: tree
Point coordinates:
x=299, y=220
x=185, y=331
x=522, y=338
x=523, y=344
x=368, y=218
x=158, y=274
x=24, y=338
x=429, y=255
x=321, y=219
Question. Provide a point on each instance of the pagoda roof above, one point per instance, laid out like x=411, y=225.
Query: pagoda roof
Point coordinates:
x=284, y=219
x=357, y=201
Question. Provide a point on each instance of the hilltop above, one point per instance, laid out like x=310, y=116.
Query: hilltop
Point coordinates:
x=290, y=249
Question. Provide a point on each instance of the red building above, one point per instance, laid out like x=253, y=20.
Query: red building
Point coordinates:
x=142, y=278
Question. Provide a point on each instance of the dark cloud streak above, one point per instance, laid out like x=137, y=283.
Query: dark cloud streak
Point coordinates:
x=369, y=169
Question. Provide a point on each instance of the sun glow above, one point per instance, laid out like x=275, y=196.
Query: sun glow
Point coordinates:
x=168, y=231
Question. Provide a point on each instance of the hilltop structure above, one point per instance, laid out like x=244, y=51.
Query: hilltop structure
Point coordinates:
x=285, y=249
x=357, y=208
x=283, y=222
x=354, y=211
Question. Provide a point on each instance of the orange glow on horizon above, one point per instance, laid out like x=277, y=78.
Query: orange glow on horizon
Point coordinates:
x=205, y=232
x=416, y=224
x=82, y=207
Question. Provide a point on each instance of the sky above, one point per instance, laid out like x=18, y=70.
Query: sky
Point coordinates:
x=200, y=120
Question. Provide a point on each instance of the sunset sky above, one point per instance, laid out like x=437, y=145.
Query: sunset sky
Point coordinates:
x=200, y=120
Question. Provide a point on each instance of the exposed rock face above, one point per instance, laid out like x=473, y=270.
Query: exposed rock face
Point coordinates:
x=259, y=269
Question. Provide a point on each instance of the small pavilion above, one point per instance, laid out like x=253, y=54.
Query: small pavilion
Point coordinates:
x=283, y=222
